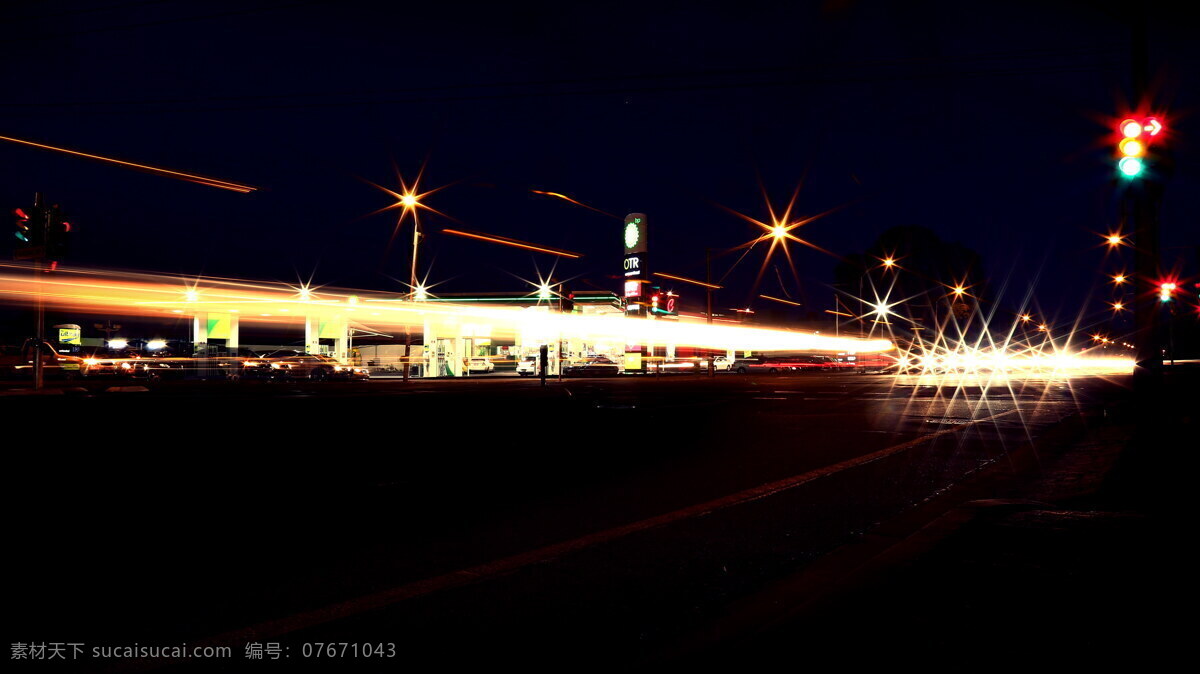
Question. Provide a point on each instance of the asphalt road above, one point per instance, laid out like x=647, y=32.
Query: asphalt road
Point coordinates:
x=489, y=519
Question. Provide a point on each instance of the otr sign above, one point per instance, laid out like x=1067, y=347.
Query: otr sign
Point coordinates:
x=633, y=265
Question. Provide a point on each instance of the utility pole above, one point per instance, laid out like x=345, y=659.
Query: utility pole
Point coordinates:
x=412, y=296
x=712, y=367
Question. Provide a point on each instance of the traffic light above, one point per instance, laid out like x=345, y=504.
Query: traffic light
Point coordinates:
x=1135, y=135
x=566, y=301
x=57, y=230
x=30, y=227
x=1165, y=290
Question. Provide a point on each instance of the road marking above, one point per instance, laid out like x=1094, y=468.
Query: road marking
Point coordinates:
x=274, y=628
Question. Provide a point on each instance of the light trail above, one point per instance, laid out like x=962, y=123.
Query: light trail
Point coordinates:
x=684, y=279
x=577, y=203
x=491, y=238
x=200, y=180
x=169, y=297
x=776, y=299
x=257, y=302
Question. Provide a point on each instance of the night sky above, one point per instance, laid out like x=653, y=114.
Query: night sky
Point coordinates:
x=987, y=123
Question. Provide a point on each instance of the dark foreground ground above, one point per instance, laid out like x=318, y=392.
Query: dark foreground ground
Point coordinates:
x=590, y=523
x=1083, y=563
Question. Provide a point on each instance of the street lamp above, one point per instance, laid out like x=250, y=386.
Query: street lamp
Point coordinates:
x=408, y=202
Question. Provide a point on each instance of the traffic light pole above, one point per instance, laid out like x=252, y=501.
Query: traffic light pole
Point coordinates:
x=40, y=330
x=1145, y=225
x=38, y=367
x=1143, y=196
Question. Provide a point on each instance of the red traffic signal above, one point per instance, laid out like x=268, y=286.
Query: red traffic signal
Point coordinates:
x=1135, y=135
x=30, y=226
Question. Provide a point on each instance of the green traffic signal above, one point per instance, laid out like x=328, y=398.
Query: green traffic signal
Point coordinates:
x=1131, y=167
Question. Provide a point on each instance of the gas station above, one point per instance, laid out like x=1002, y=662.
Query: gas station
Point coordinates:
x=641, y=325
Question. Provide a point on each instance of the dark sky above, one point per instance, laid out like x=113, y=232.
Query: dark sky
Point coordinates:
x=986, y=122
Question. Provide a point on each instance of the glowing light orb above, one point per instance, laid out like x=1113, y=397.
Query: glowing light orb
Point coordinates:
x=1132, y=148
x=1130, y=166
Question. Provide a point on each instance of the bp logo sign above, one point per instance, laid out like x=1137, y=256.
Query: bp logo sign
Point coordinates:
x=635, y=233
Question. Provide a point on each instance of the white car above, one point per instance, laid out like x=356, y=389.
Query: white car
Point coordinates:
x=722, y=363
x=527, y=366
x=480, y=365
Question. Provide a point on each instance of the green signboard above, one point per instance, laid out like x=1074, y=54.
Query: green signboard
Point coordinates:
x=331, y=330
x=219, y=326
x=635, y=233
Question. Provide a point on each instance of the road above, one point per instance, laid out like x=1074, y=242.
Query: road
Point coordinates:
x=600, y=516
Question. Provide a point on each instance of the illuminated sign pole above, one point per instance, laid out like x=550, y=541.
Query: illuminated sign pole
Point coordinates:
x=635, y=236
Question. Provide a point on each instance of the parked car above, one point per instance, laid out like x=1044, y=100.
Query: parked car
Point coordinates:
x=298, y=365
x=18, y=362
x=527, y=366
x=599, y=366
x=782, y=364
x=722, y=363
x=480, y=365
x=754, y=364
x=101, y=364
